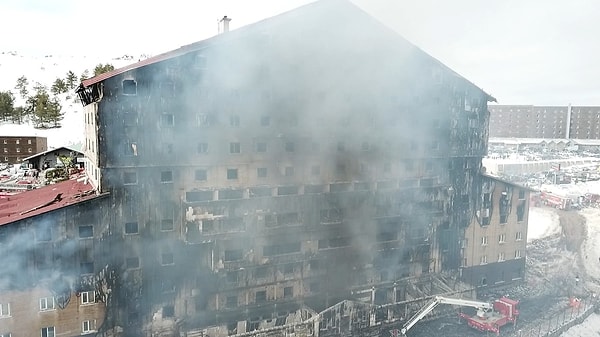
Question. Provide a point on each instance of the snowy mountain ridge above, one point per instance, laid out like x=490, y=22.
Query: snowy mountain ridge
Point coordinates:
x=45, y=70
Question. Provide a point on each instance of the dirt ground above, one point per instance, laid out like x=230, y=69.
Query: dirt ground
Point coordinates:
x=573, y=230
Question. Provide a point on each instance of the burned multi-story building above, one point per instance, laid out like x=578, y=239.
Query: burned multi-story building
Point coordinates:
x=281, y=168
x=495, y=242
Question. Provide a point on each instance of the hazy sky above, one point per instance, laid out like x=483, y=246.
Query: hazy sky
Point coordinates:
x=542, y=52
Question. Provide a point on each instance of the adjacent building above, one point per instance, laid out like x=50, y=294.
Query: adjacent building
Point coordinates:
x=493, y=249
x=51, y=258
x=15, y=148
x=62, y=156
x=529, y=121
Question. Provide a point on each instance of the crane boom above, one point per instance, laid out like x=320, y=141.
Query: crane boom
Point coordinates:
x=480, y=306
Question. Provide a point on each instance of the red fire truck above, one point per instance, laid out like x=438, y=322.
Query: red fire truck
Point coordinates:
x=556, y=201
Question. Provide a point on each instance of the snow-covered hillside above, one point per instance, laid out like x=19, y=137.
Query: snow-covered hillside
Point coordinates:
x=45, y=70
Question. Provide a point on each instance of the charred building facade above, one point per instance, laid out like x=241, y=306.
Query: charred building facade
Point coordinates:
x=281, y=168
x=495, y=242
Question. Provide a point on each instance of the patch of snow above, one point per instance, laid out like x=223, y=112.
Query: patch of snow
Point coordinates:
x=45, y=70
x=589, y=328
x=543, y=222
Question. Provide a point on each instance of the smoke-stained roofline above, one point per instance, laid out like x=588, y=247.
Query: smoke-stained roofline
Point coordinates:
x=28, y=204
x=236, y=33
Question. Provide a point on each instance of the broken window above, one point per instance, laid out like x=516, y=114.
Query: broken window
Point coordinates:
x=288, y=268
x=289, y=146
x=261, y=296
x=234, y=120
x=265, y=121
x=521, y=211
x=86, y=231
x=503, y=218
x=168, y=311
x=233, y=255
x=129, y=87
x=129, y=178
x=129, y=149
x=130, y=119
x=234, y=148
x=203, y=119
x=289, y=171
x=315, y=170
x=261, y=172
x=202, y=147
x=231, y=302
x=200, y=175
x=167, y=119
x=199, y=196
x=339, y=242
x=332, y=215
x=131, y=228
x=86, y=267
x=288, y=292
x=167, y=258
x=281, y=249
x=261, y=147
x=166, y=176
x=232, y=174
x=166, y=225
x=261, y=272
x=232, y=277
x=132, y=262
x=521, y=194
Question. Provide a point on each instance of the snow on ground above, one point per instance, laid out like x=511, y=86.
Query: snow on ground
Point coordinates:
x=45, y=70
x=589, y=328
x=543, y=222
x=590, y=249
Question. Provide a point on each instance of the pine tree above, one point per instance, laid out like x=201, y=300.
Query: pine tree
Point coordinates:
x=44, y=110
x=7, y=101
x=22, y=84
x=84, y=75
x=19, y=115
x=59, y=87
x=101, y=69
x=71, y=80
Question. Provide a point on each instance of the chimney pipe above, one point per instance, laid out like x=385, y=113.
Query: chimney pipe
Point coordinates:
x=224, y=24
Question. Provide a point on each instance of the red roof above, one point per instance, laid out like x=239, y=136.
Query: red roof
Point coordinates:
x=26, y=204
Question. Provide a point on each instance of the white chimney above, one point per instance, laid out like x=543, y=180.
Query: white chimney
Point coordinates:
x=224, y=24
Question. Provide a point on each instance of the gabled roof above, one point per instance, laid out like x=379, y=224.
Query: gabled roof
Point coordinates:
x=318, y=8
x=19, y=206
x=50, y=151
